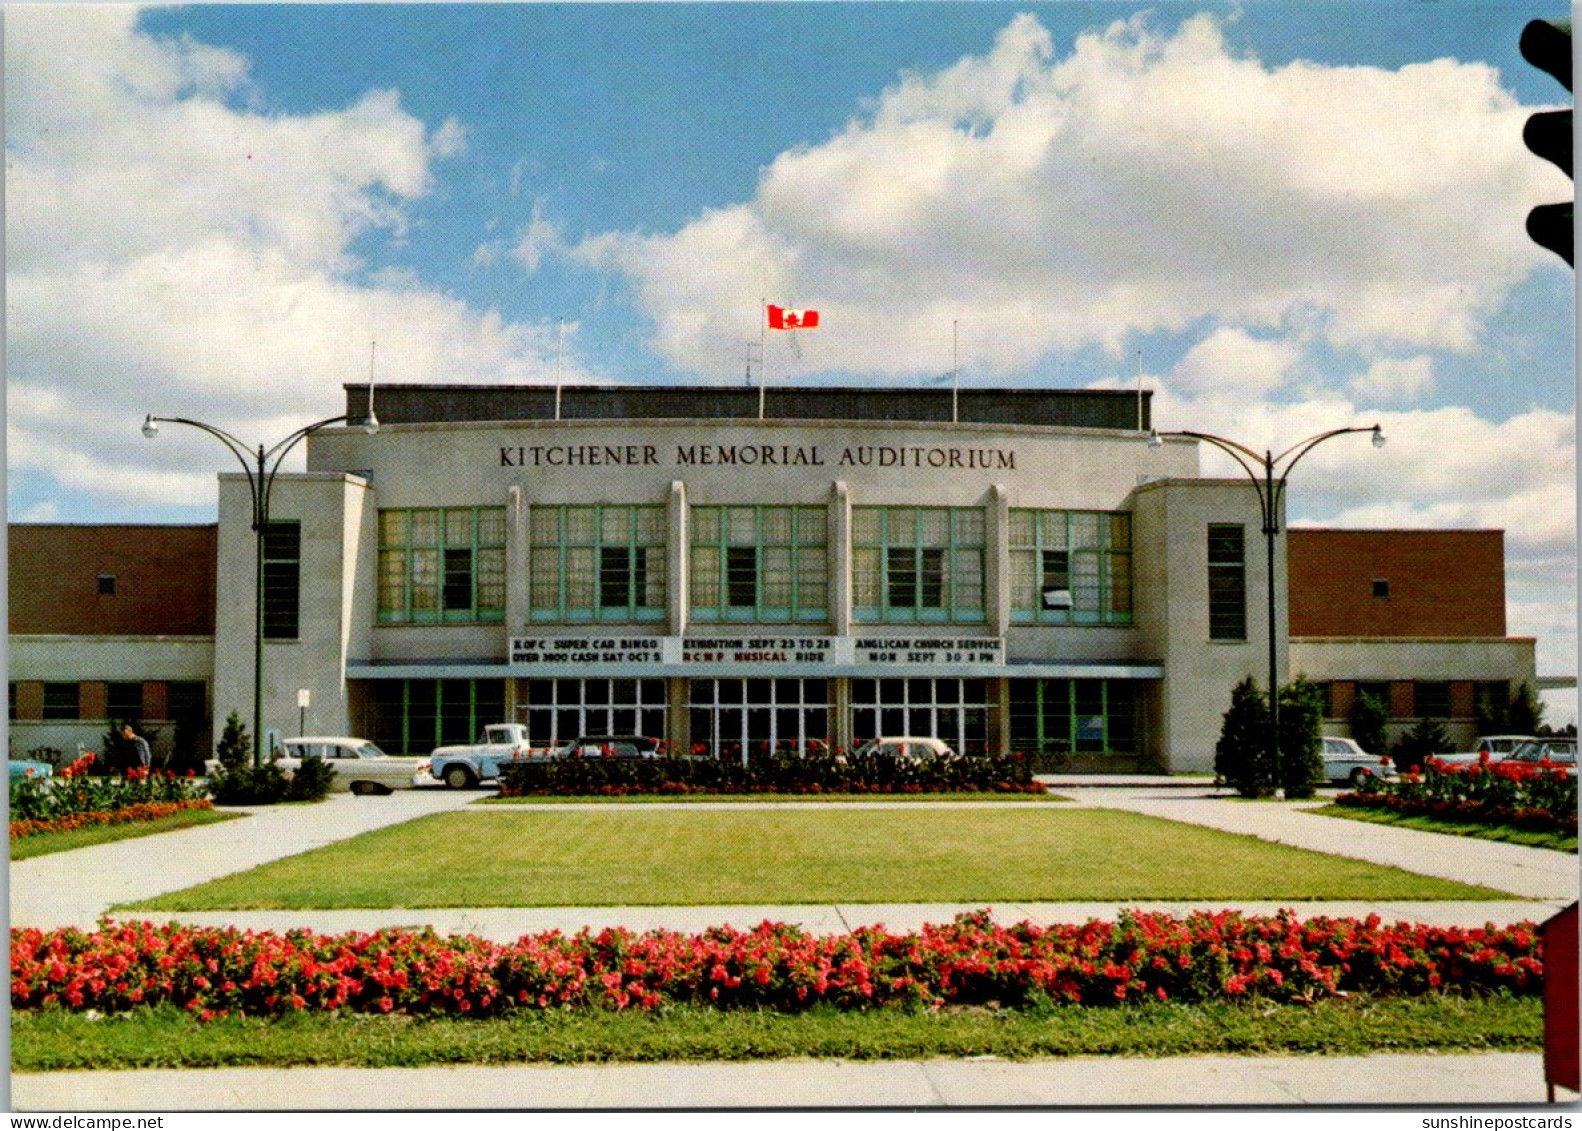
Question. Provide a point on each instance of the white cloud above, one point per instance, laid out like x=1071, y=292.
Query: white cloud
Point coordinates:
x=1231, y=361
x=1395, y=379
x=46, y=511
x=168, y=251
x=1136, y=182
x=541, y=237
x=449, y=140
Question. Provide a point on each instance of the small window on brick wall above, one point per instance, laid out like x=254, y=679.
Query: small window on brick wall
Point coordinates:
x=61, y=701
x=107, y=585
x=123, y=702
x=1432, y=700
x=1381, y=588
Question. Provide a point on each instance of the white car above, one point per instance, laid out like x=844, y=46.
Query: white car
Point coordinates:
x=359, y=765
x=907, y=749
x=1561, y=752
x=1345, y=761
x=1498, y=747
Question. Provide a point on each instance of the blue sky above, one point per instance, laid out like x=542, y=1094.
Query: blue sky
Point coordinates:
x=1300, y=214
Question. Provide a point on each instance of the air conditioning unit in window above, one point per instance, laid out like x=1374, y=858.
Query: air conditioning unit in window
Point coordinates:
x=1057, y=598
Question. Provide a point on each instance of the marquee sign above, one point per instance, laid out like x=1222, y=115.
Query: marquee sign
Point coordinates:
x=614, y=654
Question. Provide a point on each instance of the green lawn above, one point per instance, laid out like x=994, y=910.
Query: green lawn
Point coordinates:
x=1560, y=842
x=42, y=844
x=60, y=1041
x=671, y=855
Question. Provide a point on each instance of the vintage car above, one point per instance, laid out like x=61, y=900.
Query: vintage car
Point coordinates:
x=1490, y=748
x=462, y=767
x=610, y=746
x=906, y=749
x=359, y=765
x=1561, y=752
x=1345, y=761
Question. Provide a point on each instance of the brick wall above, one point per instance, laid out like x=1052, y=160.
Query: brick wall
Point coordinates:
x=1440, y=583
x=164, y=580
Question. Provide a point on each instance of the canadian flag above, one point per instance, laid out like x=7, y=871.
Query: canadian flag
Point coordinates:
x=782, y=319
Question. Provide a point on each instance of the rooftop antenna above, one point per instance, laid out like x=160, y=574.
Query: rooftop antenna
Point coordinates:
x=560, y=349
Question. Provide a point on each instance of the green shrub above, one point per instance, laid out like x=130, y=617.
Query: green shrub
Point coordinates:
x=268, y=785
x=1301, y=747
x=1423, y=741
x=311, y=782
x=235, y=747
x=1367, y=719
x=1241, y=756
x=1526, y=712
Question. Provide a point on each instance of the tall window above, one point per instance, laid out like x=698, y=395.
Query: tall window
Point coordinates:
x=601, y=563
x=562, y=710
x=413, y=716
x=730, y=716
x=1071, y=567
x=1227, y=582
x=917, y=564
x=61, y=701
x=1058, y=717
x=955, y=710
x=442, y=565
x=282, y=579
x=759, y=564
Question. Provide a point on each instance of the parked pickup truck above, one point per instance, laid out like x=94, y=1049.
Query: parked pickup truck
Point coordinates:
x=463, y=766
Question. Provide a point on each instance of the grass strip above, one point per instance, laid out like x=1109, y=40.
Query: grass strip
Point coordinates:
x=640, y=857
x=168, y=1038
x=770, y=798
x=42, y=844
x=1509, y=834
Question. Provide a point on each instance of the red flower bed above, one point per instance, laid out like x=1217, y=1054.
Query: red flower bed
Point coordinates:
x=213, y=971
x=143, y=811
x=1535, y=796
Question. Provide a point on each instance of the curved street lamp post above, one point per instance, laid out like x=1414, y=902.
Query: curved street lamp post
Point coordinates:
x=260, y=466
x=1270, y=488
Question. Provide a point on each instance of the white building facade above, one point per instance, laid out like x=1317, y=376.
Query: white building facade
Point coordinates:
x=661, y=562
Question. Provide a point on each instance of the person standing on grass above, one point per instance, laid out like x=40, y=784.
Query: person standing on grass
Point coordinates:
x=141, y=757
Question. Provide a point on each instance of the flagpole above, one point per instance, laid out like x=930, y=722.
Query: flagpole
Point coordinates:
x=763, y=354
x=955, y=372
x=1139, y=390
x=560, y=349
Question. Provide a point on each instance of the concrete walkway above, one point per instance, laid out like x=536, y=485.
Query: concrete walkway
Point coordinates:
x=1411, y=1080
x=75, y=888
x=1532, y=873
x=507, y=924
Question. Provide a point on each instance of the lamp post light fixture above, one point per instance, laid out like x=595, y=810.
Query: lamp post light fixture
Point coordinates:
x=260, y=465
x=1268, y=473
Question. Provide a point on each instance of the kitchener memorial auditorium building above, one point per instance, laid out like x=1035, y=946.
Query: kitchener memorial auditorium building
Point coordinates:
x=1030, y=576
